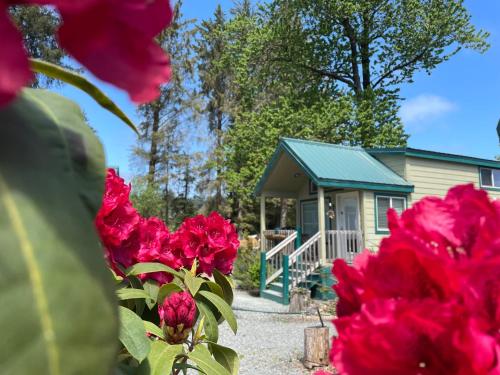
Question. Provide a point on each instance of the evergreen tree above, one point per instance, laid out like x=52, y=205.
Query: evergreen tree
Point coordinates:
x=213, y=76
x=38, y=26
x=165, y=121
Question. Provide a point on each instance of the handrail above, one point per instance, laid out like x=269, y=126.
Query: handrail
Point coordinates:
x=304, y=247
x=303, y=261
x=281, y=245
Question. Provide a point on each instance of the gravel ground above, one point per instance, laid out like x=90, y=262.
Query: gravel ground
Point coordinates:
x=269, y=343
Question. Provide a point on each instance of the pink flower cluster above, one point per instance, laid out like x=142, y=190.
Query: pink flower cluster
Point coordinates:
x=129, y=238
x=114, y=39
x=429, y=301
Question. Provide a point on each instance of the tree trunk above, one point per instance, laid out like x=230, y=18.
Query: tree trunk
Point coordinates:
x=153, y=149
x=283, y=212
x=167, y=187
x=365, y=52
x=299, y=301
x=316, y=345
x=351, y=35
x=218, y=194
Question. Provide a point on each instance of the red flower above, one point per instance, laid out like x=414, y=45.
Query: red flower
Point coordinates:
x=212, y=240
x=429, y=301
x=177, y=316
x=119, y=48
x=399, y=337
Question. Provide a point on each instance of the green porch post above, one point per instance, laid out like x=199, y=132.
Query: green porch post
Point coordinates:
x=298, y=240
x=263, y=271
x=286, y=281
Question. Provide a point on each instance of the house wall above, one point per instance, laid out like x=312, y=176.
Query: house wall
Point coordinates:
x=434, y=177
x=372, y=239
x=396, y=162
x=430, y=177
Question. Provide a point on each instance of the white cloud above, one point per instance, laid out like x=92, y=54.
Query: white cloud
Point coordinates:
x=424, y=108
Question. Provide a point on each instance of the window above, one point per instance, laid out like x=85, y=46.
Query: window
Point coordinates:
x=313, y=189
x=382, y=204
x=490, y=177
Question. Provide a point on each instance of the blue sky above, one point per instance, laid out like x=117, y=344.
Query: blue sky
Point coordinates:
x=454, y=110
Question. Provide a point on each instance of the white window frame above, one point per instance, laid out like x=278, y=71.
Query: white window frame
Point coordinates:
x=377, y=210
x=492, y=178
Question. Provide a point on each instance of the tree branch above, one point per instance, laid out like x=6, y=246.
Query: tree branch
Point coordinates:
x=326, y=73
x=400, y=66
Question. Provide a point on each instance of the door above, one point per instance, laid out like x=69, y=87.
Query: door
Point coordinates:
x=309, y=218
x=348, y=211
x=348, y=220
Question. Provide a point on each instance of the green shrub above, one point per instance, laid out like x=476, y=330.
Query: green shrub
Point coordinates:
x=247, y=268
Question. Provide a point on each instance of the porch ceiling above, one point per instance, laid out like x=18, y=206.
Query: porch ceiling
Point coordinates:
x=285, y=179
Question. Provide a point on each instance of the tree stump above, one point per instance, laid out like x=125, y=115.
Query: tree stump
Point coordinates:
x=300, y=300
x=316, y=346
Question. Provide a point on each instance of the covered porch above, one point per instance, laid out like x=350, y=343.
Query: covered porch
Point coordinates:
x=327, y=185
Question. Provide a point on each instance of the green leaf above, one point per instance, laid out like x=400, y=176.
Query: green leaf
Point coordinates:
x=152, y=288
x=226, y=284
x=214, y=288
x=202, y=357
x=75, y=79
x=133, y=334
x=211, y=324
x=166, y=290
x=130, y=293
x=223, y=308
x=153, y=328
x=141, y=268
x=193, y=283
x=227, y=357
x=161, y=359
x=59, y=314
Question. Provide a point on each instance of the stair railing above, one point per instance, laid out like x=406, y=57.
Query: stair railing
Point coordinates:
x=301, y=263
x=271, y=262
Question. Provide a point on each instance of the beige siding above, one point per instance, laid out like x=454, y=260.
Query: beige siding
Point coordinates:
x=433, y=177
x=372, y=239
x=395, y=162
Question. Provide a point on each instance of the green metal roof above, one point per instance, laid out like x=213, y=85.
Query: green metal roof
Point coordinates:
x=338, y=166
x=425, y=154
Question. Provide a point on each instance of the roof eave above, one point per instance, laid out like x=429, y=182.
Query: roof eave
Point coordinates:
x=364, y=185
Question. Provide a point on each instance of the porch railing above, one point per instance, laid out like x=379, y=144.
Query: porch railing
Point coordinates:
x=303, y=261
x=344, y=244
x=272, y=261
x=272, y=238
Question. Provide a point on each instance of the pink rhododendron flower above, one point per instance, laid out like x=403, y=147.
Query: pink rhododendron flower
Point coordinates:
x=429, y=301
x=129, y=239
x=212, y=240
x=177, y=316
x=119, y=48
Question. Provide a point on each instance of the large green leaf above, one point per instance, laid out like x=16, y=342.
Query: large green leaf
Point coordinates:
x=59, y=314
x=202, y=357
x=226, y=284
x=133, y=334
x=211, y=325
x=193, y=283
x=153, y=328
x=146, y=267
x=131, y=293
x=227, y=357
x=75, y=79
x=223, y=308
x=161, y=359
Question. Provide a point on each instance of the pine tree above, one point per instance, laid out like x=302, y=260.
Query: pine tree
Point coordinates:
x=165, y=120
x=213, y=75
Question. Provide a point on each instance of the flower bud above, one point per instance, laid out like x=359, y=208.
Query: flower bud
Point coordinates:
x=177, y=316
